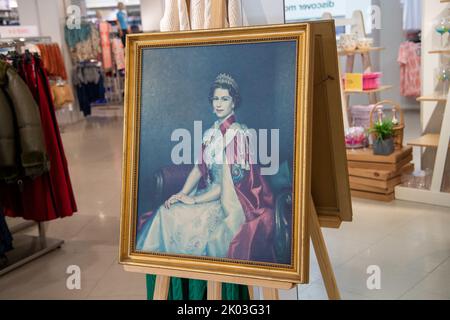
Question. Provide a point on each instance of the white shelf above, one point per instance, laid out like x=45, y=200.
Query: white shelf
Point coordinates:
x=359, y=51
x=440, y=51
x=423, y=196
x=432, y=99
x=381, y=88
x=427, y=140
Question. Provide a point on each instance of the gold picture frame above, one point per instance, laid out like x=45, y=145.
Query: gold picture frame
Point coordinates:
x=271, y=274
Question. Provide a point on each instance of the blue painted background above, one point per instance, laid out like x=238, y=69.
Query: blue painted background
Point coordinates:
x=175, y=89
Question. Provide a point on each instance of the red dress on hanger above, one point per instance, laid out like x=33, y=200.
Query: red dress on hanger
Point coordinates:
x=50, y=196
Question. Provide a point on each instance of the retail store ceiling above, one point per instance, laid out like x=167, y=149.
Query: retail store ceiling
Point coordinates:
x=110, y=3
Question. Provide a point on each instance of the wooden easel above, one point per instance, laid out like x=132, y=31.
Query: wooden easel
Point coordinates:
x=214, y=289
x=330, y=201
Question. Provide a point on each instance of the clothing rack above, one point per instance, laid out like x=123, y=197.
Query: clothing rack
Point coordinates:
x=18, y=43
x=27, y=248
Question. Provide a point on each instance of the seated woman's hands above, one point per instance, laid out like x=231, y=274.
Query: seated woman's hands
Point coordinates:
x=179, y=197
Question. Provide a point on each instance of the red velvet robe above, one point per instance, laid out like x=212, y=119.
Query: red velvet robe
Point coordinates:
x=254, y=240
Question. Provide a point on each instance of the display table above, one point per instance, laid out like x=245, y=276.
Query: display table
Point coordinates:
x=375, y=177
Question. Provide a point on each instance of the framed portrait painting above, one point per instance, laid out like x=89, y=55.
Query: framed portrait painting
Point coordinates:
x=217, y=158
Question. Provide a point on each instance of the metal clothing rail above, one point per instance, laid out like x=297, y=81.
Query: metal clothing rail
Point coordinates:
x=28, y=248
x=17, y=43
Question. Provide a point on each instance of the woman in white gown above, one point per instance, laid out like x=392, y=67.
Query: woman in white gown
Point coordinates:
x=208, y=222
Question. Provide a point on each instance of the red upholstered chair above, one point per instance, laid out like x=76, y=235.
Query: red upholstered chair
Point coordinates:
x=169, y=180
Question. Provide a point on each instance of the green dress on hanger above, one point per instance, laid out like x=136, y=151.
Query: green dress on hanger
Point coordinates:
x=186, y=289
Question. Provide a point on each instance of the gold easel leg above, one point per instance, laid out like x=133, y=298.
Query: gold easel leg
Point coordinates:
x=270, y=294
x=322, y=255
x=161, y=288
x=214, y=290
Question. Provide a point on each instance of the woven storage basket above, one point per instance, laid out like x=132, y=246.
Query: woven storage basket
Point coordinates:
x=378, y=113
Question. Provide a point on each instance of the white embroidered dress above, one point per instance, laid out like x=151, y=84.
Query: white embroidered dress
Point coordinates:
x=204, y=229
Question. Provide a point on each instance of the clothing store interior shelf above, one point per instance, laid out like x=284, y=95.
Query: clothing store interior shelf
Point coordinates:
x=359, y=51
x=432, y=99
x=26, y=249
x=444, y=51
x=436, y=195
x=381, y=88
x=429, y=140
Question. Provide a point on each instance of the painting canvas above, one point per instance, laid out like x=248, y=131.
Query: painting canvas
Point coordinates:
x=216, y=129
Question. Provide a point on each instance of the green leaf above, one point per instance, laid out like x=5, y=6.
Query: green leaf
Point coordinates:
x=383, y=130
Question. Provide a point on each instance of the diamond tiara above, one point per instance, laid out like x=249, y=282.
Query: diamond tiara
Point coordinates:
x=224, y=78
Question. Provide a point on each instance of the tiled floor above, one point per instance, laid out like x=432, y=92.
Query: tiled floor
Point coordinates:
x=409, y=242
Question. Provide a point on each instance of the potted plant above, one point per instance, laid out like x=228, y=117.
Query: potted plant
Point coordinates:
x=384, y=137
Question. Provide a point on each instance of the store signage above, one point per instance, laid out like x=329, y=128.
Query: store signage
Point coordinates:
x=303, y=10
x=19, y=32
x=309, y=9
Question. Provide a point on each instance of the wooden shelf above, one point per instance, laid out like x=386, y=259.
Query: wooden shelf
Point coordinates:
x=443, y=51
x=382, y=88
x=432, y=99
x=422, y=196
x=428, y=140
x=368, y=156
x=359, y=51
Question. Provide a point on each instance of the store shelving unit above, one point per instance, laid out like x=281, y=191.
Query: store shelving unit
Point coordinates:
x=380, y=89
x=357, y=26
x=440, y=142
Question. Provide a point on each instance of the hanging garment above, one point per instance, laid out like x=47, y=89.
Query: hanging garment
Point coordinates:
x=176, y=16
x=203, y=14
x=183, y=15
x=215, y=14
x=410, y=65
x=88, y=81
x=188, y=289
x=171, y=19
x=49, y=196
x=412, y=14
x=22, y=147
x=119, y=54
x=88, y=49
x=53, y=60
x=62, y=95
x=5, y=236
x=32, y=48
x=105, y=29
x=197, y=11
x=77, y=35
x=235, y=13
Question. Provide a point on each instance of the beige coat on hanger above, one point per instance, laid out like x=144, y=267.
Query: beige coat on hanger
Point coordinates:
x=176, y=16
x=204, y=14
x=235, y=13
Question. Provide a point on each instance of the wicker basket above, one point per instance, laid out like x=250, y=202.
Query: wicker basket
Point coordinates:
x=379, y=112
